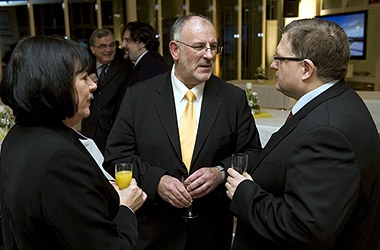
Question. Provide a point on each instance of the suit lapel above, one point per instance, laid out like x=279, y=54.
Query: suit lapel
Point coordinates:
x=211, y=105
x=165, y=108
x=277, y=137
x=291, y=124
x=111, y=72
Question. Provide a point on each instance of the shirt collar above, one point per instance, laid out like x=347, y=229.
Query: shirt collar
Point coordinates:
x=311, y=95
x=180, y=89
x=77, y=134
x=98, y=65
x=138, y=59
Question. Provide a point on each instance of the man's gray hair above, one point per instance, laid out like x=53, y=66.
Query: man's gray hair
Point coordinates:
x=177, y=27
x=99, y=33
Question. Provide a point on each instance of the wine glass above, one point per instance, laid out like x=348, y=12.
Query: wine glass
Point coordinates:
x=123, y=174
x=189, y=214
x=239, y=162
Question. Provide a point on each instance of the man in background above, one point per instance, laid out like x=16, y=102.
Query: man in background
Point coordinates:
x=316, y=184
x=140, y=44
x=184, y=122
x=112, y=73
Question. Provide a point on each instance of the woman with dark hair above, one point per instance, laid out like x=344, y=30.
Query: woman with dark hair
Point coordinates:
x=53, y=194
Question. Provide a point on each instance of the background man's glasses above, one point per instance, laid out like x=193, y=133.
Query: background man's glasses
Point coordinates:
x=105, y=46
x=126, y=40
x=202, y=47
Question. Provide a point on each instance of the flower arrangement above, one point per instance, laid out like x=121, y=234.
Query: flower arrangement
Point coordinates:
x=7, y=120
x=260, y=74
x=252, y=98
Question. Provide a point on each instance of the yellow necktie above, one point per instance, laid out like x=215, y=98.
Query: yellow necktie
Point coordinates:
x=188, y=130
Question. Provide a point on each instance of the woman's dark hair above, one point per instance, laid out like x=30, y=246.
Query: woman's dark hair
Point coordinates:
x=38, y=82
x=143, y=32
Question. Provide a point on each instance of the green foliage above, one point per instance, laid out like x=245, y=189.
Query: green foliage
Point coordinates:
x=252, y=98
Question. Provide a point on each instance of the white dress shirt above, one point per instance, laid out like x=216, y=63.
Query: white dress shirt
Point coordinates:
x=99, y=68
x=180, y=100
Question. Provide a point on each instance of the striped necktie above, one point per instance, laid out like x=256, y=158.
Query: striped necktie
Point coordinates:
x=103, y=73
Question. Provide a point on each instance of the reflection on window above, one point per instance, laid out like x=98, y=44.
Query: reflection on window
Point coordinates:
x=171, y=10
x=107, y=13
x=22, y=17
x=11, y=32
x=226, y=25
x=251, y=38
x=49, y=19
x=82, y=21
x=201, y=7
x=147, y=13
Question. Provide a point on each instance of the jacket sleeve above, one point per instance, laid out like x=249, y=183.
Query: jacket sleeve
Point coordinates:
x=122, y=147
x=79, y=208
x=247, y=137
x=321, y=189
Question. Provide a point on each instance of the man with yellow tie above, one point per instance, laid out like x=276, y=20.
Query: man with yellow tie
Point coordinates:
x=185, y=121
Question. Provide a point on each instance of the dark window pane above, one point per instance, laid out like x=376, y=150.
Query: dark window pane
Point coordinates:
x=251, y=38
x=201, y=7
x=226, y=25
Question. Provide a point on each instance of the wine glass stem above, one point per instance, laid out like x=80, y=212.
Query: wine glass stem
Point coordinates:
x=190, y=211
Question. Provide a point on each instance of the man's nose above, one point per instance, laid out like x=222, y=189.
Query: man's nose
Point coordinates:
x=274, y=65
x=209, y=55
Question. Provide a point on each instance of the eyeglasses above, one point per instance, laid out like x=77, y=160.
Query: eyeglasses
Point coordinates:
x=278, y=58
x=105, y=46
x=202, y=47
x=126, y=40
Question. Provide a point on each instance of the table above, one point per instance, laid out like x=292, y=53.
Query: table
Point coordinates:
x=374, y=108
x=372, y=101
x=268, y=126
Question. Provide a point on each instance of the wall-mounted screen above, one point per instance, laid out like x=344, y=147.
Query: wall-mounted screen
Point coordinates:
x=355, y=25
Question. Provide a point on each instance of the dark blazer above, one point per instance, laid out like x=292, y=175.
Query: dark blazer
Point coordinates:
x=151, y=64
x=54, y=196
x=146, y=133
x=317, y=180
x=105, y=104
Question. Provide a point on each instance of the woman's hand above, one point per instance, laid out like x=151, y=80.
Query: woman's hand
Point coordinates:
x=132, y=197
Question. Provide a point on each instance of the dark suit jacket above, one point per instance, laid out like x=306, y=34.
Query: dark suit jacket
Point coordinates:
x=317, y=180
x=104, y=106
x=151, y=64
x=146, y=133
x=54, y=196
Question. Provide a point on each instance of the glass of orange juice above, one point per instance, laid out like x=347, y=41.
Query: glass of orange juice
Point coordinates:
x=123, y=174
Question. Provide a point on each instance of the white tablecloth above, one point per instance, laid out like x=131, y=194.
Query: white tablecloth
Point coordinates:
x=374, y=108
x=267, y=126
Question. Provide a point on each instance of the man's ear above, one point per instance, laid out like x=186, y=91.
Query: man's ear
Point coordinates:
x=174, y=50
x=308, y=68
x=92, y=50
